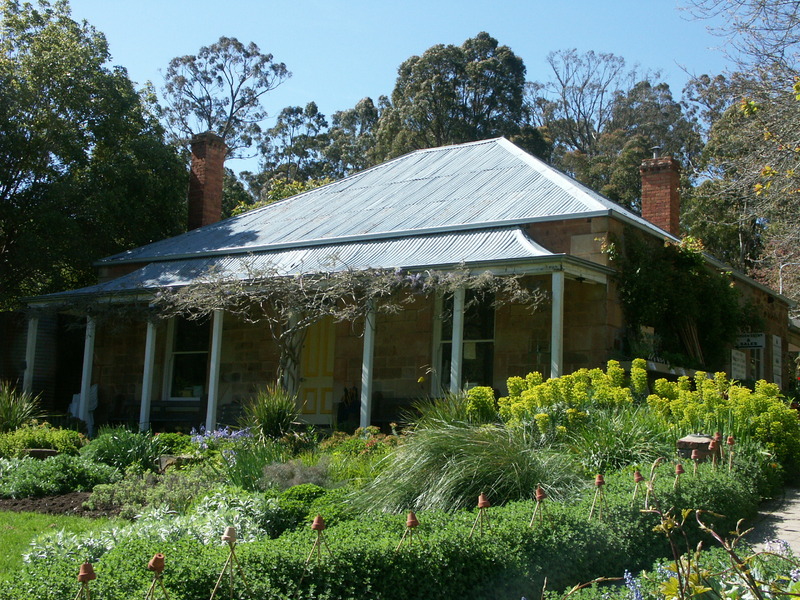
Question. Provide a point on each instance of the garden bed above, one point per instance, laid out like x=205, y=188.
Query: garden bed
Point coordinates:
x=64, y=504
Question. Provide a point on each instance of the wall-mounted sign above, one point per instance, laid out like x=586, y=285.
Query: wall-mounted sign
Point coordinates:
x=750, y=340
x=738, y=365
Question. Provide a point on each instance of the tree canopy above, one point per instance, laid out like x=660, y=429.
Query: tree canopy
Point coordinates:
x=84, y=170
x=221, y=89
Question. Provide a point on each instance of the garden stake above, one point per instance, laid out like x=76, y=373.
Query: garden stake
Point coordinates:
x=230, y=537
x=411, y=524
x=695, y=459
x=539, y=510
x=679, y=470
x=637, y=479
x=483, y=504
x=319, y=526
x=599, y=482
x=156, y=565
x=730, y=452
x=713, y=448
x=85, y=575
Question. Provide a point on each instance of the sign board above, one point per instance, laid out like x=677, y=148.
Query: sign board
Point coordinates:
x=750, y=340
x=777, y=360
x=738, y=365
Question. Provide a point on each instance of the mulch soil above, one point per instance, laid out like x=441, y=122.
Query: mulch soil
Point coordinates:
x=66, y=504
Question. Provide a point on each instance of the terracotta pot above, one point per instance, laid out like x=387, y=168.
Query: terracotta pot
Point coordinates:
x=318, y=524
x=718, y=436
x=712, y=445
x=156, y=563
x=540, y=495
x=730, y=441
x=411, y=521
x=695, y=454
x=229, y=535
x=637, y=477
x=599, y=480
x=483, y=501
x=679, y=469
x=86, y=573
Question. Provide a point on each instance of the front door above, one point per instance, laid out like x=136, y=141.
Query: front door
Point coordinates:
x=316, y=373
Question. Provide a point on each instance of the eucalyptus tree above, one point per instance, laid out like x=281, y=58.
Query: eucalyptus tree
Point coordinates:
x=221, y=89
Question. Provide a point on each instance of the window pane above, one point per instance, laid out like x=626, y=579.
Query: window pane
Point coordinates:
x=192, y=336
x=475, y=371
x=478, y=317
x=189, y=375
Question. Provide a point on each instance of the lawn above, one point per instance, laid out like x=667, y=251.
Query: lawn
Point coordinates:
x=18, y=529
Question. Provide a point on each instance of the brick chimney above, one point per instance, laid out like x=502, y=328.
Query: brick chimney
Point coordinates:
x=661, y=199
x=205, y=179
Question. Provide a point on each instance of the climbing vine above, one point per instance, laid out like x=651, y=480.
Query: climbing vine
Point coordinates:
x=694, y=310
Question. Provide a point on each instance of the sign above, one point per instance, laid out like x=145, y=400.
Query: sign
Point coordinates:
x=777, y=362
x=750, y=340
x=738, y=365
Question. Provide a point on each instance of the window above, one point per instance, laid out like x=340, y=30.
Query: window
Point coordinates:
x=478, y=356
x=189, y=368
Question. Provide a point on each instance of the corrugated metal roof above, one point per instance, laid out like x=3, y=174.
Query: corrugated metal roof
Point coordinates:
x=478, y=246
x=475, y=185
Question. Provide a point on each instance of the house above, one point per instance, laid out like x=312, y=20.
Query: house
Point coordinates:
x=481, y=206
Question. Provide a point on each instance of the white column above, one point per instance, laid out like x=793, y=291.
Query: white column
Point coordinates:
x=366, y=367
x=30, y=355
x=86, y=373
x=147, y=377
x=557, y=326
x=213, y=374
x=457, y=352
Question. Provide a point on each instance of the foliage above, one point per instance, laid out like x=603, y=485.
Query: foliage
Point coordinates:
x=667, y=288
x=449, y=408
x=81, y=151
x=294, y=472
x=219, y=439
x=277, y=189
x=124, y=449
x=221, y=89
x=16, y=408
x=568, y=397
x=481, y=405
x=42, y=435
x=175, y=489
x=244, y=465
x=28, y=477
x=271, y=413
x=176, y=443
x=446, y=466
x=454, y=94
x=721, y=405
x=356, y=459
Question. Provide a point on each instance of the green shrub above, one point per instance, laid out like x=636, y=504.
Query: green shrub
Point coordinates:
x=27, y=477
x=176, y=443
x=175, y=489
x=125, y=449
x=450, y=408
x=16, y=408
x=294, y=472
x=271, y=413
x=66, y=441
x=481, y=405
x=244, y=466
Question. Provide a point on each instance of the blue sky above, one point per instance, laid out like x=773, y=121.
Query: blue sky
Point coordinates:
x=341, y=51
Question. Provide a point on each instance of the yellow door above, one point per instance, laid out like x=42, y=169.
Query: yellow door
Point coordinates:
x=316, y=372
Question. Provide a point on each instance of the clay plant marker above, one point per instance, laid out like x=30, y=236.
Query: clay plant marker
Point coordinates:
x=599, y=482
x=229, y=537
x=713, y=447
x=156, y=565
x=730, y=452
x=539, y=510
x=695, y=459
x=679, y=470
x=411, y=524
x=318, y=525
x=483, y=516
x=85, y=575
x=637, y=479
